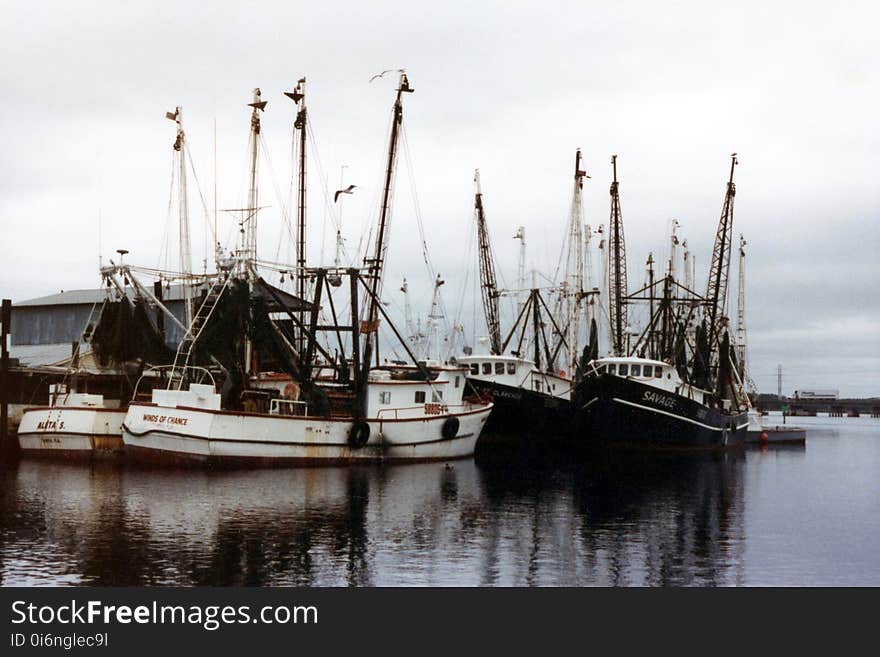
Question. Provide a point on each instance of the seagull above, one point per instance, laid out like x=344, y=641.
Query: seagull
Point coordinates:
x=347, y=190
x=389, y=70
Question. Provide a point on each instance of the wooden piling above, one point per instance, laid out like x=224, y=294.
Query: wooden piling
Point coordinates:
x=5, y=321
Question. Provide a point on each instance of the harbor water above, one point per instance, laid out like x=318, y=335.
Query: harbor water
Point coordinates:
x=781, y=515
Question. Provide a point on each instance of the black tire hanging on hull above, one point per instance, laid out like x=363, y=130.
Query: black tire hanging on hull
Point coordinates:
x=359, y=434
x=450, y=428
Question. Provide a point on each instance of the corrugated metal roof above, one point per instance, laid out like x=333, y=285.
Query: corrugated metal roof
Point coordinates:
x=82, y=297
x=77, y=297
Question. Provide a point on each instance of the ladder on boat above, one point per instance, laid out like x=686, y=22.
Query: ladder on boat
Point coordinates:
x=185, y=348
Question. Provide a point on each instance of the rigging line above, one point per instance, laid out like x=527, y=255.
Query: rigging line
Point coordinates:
x=164, y=245
x=468, y=266
x=420, y=223
x=284, y=213
x=192, y=167
x=328, y=206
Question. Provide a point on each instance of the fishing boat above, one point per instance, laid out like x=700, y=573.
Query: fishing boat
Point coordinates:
x=758, y=432
x=337, y=408
x=671, y=385
x=532, y=396
x=75, y=426
x=127, y=333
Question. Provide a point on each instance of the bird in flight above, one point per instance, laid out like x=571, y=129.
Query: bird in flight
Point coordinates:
x=347, y=190
x=389, y=70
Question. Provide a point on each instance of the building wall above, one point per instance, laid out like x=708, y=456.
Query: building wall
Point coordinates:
x=64, y=323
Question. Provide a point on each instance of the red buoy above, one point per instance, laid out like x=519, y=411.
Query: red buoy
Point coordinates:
x=764, y=437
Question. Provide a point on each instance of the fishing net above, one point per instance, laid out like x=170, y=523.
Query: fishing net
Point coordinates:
x=125, y=332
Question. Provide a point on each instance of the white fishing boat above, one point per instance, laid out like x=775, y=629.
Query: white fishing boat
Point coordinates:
x=75, y=425
x=337, y=408
x=405, y=420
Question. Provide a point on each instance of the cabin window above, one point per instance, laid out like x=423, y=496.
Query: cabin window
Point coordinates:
x=511, y=368
x=538, y=385
x=658, y=372
x=475, y=368
x=612, y=368
x=420, y=396
x=437, y=396
x=624, y=369
x=499, y=368
x=385, y=397
x=487, y=368
x=647, y=370
x=456, y=382
x=636, y=370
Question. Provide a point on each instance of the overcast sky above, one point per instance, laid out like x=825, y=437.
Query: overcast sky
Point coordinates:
x=512, y=88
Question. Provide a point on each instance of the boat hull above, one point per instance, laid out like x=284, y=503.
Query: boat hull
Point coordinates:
x=614, y=411
x=521, y=412
x=777, y=435
x=71, y=432
x=191, y=436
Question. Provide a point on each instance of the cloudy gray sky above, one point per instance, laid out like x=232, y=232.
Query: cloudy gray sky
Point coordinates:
x=511, y=88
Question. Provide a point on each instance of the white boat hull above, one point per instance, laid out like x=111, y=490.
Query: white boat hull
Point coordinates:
x=182, y=435
x=71, y=431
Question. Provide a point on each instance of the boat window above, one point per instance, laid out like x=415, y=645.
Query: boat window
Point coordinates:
x=658, y=372
x=437, y=396
x=475, y=368
x=624, y=369
x=499, y=368
x=636, y=370
x=456, y=382
x=647, y=370
x=537, y=385
x=420, y=396
x=487, y=368
x=511, y=368
x=385, y=397
x=612, y=368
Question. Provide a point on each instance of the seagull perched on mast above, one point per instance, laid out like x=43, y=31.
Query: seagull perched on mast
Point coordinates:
x=388, y=70
x=347, y=190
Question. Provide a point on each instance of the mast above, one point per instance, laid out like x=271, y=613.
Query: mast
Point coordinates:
x=488, y=282
x=520, y=235
x=617, y=269
x=250, y=219
x=716, y=293
x=298, y=96
x=183, y=210
x=376, y=263
x=433, y=323
x=574, y=265
x=741, y=311
x=652, y=349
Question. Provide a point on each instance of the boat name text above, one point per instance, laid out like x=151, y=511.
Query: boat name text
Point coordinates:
x=660, y=400
x=165, y=419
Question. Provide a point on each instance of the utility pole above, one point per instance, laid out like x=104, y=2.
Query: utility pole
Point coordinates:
x=779, y=382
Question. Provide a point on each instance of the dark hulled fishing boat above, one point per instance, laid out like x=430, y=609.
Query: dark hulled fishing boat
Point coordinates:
x=675, y=386
x=533, y=396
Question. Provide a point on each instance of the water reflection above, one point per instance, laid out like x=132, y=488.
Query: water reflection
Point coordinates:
x=522, y=519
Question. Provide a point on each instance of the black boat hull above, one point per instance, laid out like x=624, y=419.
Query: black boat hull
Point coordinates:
x=614, y=411
x=520, y=412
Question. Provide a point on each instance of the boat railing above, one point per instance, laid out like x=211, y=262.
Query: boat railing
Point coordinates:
x=428, y=409
x=193, y=373
x=289, y=407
